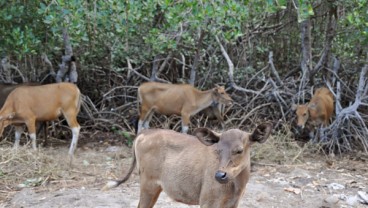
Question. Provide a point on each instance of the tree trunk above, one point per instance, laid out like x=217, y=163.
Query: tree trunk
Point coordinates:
x=68, y=62
x=196, y=58
x=329, y=36
x=306, y=62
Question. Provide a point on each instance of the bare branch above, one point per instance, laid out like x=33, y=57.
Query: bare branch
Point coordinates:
x=273, y=69
x=231, y=70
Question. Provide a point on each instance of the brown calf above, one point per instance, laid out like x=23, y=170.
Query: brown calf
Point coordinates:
x=318, y=111
x=42, y=103
x=209, y=169
x=177, y=99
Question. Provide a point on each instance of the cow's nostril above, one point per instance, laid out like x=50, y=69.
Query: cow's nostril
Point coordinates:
x=220, y=174
x=221, y=177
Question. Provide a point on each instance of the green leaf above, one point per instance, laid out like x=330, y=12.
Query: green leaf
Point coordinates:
x=310, y=10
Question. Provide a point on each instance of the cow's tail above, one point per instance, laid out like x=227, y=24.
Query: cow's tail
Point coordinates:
x=139, y=100
x=115, y=183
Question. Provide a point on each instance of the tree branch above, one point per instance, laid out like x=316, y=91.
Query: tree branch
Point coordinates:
x=231, y=70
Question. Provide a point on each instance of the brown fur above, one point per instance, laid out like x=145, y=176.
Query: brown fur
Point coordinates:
x=176, y=99
x=42, y=103
x=187, y=168
x=318, y=111
x=6, y=89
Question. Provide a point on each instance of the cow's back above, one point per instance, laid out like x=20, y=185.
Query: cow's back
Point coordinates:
x=164, y=98
x=323, y=99
x=49, y=100
x=155, y=89
x=6, y=89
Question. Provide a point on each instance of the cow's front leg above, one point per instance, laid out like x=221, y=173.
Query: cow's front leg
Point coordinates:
x=185, y=119
x=18, y=133
x=144, y=119
x=149, y=196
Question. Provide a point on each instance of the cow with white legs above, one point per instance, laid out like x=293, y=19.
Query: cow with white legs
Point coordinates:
x=176, y=99
x=209, y=169
x=26, y=105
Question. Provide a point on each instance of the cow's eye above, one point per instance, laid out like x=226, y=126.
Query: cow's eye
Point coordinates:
x=239, y=151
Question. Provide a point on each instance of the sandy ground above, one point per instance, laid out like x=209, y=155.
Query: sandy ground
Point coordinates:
x=315, y=183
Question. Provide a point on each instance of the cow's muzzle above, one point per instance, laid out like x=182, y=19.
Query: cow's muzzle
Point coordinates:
x=300, y=127
x=229, y=102
x=221, y=177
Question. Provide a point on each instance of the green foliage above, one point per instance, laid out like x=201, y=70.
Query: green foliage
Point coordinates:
x=19, y=28
x=114, y=30
x=354, y=38
x=128, y=137
x=305, y=10
x=124, y=134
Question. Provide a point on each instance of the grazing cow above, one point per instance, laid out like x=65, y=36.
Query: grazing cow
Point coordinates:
x=209, y=169
x=5, y=90
x=318, y=111
x=178, y=99
x=42, y=103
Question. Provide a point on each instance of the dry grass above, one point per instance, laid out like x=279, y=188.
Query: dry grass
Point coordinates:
x=49, y=168
x=281, y=148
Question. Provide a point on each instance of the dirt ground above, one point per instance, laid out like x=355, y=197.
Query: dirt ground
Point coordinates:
x=316, y=182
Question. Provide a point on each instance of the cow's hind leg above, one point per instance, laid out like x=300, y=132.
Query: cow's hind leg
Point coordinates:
x=71, y=118
x=149, y=196
x=31, y=126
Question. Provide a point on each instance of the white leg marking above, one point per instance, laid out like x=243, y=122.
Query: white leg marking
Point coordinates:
x=140, y=126
x=73, y=145
x=18, y=133
x=33, y=138
x=184, y=129
x=148, y=120
x=146, y=125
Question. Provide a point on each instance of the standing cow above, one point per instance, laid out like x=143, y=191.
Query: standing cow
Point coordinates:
x=5, y=90
x=26, y=105
x=209, y=169
x=176, y=99
x=317, y=112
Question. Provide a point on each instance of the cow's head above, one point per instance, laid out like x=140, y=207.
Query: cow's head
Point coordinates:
x=4, y=122
x=233, y=148
x=219, y=95
x=303, y=112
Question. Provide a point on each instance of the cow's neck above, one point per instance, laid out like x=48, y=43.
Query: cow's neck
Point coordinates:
x=203, y=99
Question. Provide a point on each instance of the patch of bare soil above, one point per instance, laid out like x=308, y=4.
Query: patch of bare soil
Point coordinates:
x=316, y=182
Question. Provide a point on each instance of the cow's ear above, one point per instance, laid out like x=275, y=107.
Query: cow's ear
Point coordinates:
x=261, y=133
x=216, y=89
x=206, y=136
x=294, y=107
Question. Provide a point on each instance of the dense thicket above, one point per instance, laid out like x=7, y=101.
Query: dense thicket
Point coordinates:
x=274, y=53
